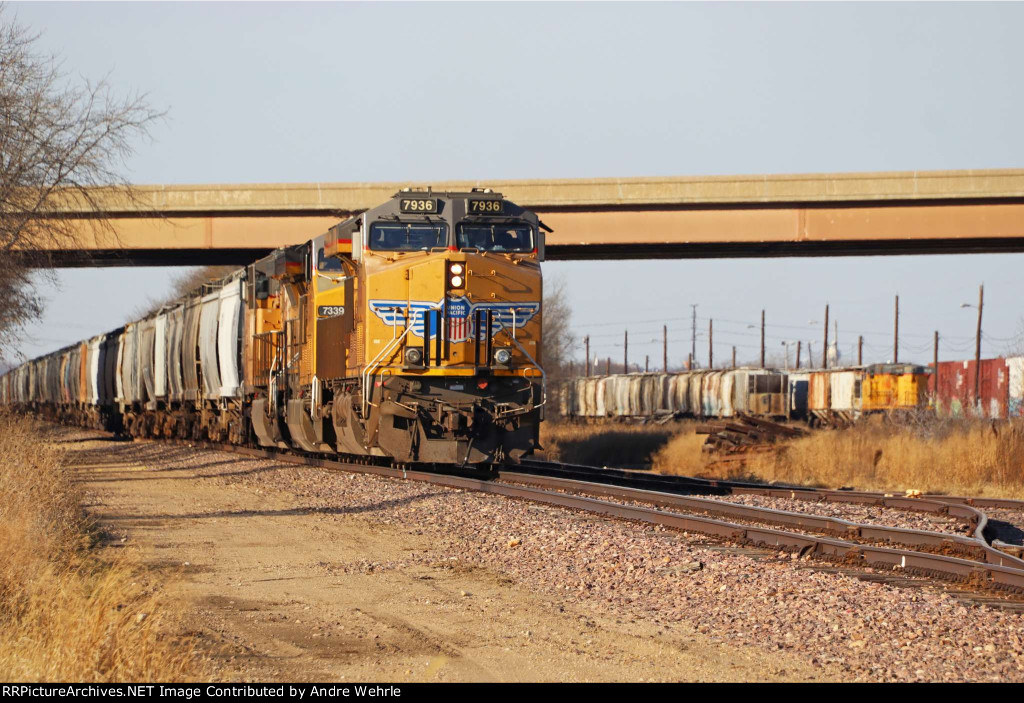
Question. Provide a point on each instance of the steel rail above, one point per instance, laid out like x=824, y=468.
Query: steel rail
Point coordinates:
x=725, y=485
x=688, y=484
x=999, y=576
x=965, y=508
x=971, y=546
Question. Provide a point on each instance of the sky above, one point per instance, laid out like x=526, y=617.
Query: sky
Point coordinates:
x=302, y=92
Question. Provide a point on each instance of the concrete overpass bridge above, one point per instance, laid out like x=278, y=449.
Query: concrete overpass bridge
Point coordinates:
x=845, y=214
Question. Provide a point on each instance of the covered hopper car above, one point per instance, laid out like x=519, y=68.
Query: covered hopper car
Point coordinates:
x=831, y=397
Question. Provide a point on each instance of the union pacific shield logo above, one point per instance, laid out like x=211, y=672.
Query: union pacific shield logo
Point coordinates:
x=458, y=320
x=461, y=316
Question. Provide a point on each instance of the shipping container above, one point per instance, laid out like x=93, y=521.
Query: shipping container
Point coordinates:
x=956, y=382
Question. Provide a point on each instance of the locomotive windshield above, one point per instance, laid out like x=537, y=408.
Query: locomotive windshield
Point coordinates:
x=495, y=237
x=327, y=263
x=398, y=236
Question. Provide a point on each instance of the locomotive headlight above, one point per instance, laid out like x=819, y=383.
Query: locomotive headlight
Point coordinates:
x=502, y=356
x=414, y=356
x=456, y=274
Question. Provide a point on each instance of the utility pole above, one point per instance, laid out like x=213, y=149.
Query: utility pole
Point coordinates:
x=608, y=366
x=810, y=355
x=586, y=342
x=824, y=349
x=625, y=351
x=935, y=376
x=711, y=346
x=664, y=347
x=734, y=357
x=689, y=363
x=896, y=334
x=647, y=363
x=762, y=339
x=977, y=348
x=799, y=346
x=693, y=335
x=860, y=350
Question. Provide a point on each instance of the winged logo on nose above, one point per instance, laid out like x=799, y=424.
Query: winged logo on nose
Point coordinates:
x=460, y=316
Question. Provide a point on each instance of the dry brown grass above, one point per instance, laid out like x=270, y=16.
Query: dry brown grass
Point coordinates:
x=683, y=455
x=953, y=458
x=629, y=446
x=65, y=613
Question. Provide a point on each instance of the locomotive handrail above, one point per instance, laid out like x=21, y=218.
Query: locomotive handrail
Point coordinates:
x=543, y=376
x=332, y=279
x=272, y=385
x=394, y=319
x=368, y=372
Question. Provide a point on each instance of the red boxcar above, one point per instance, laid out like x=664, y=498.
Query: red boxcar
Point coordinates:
x=956, y=389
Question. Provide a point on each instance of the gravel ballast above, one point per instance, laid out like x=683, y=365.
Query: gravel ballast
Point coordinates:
x=872, y=631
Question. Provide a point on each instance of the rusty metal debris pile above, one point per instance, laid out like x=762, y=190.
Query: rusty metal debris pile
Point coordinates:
x=732, y=439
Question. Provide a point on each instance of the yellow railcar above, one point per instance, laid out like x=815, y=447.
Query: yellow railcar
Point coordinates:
x=891, y=387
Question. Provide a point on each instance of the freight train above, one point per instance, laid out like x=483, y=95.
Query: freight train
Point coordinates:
x=822, y=397
x=411, y=332
x=832, y=397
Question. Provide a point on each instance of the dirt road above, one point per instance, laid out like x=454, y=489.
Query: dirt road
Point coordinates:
x=275, y=588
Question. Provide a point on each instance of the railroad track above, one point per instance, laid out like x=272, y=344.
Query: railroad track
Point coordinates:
x=965, y=508
x=962, y=559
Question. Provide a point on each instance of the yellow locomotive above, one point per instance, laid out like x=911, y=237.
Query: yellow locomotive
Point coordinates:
x=411, y=331
x=894, y=388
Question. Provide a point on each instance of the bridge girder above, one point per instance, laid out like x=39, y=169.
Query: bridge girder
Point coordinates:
x=744, y=216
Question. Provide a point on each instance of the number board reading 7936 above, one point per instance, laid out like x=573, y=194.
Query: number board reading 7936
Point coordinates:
x=485, y=207
x=418, y=205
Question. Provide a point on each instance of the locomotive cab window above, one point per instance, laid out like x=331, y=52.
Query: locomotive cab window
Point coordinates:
x=510, y=237
x=398, y=236
x=331, y=268
x=327, y=263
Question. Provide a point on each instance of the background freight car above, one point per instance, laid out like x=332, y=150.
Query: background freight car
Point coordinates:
x=704, y=393
x=956, y=397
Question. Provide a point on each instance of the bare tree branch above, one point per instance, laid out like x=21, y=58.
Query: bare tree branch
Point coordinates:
x=60, y=140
